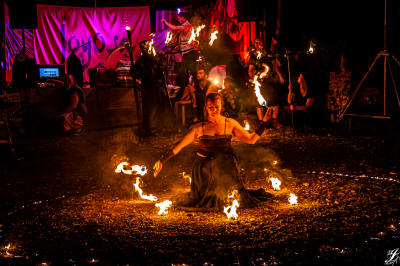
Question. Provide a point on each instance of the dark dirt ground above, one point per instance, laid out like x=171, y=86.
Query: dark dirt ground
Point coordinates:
x=62, y=203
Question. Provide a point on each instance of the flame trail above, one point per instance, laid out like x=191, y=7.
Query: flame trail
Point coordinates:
x=213, y=37
x=276, y=183
x=257, y=86
x=163, y=207
x=195, y=33
x=140, y=170
x=140, y=191
x=292, y=199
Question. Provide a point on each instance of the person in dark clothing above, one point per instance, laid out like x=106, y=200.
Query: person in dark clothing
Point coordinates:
x=198, y=93
x=74, y=107
x=216, y=171
x=302, y=104
x=270, y=84
x=156, y=111
x=74, y=67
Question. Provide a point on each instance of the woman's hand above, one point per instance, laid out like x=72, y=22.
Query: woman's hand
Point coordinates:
x=157, y=168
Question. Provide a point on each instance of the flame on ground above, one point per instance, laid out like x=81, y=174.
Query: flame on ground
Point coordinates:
x=292, y=199
x=140, y=170
x=140, y=191
x=163, y=207
x=230, y=211
x=213, y=37
x=276, y=183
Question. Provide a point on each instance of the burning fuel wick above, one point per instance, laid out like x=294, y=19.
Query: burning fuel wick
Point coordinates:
x=163, y=207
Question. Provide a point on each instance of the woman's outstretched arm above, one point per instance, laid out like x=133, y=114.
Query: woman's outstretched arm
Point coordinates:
x=187, y=139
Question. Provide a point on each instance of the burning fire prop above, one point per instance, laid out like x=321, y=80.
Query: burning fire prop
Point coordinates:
x=140, y=170
x=246, y=125
x=163, y=207
x=230, y=211
x=168, y=39
x=140, y=191
x=195, y=33
x=151, y=49
x=292, y=199
x=213, y=37
x=276, y=183
x=257, y=85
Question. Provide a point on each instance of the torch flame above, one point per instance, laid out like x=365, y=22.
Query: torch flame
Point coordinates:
x=143, y=196
x=127, y=28
x=276, y=183
x=168, y=38
x=246, y=125
x=213, y=37
x=292, y=199
x=140, y=170
x=163, y=207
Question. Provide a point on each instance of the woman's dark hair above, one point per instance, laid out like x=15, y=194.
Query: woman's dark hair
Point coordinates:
x=212, y=97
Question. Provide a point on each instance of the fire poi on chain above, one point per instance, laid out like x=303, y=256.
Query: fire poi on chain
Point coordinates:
x=163, y=207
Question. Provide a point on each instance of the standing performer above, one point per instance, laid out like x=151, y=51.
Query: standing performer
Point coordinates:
x=215, y=172
x=270, y=85
x=186, y=56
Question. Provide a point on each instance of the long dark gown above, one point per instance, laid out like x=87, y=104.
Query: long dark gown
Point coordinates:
x=215, y=174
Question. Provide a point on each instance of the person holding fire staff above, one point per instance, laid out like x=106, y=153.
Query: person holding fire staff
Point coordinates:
x=270, y=84
x=215, y=172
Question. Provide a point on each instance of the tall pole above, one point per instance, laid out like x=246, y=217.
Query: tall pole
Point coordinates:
x=385, y=60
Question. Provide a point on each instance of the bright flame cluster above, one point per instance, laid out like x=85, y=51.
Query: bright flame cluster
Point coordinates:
x=276, y=183
x=292, y=199
x=213, y=37
x=163, y=207
x=230, y=211
x=195, y=33
x=151, y=49
x=141, y=170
